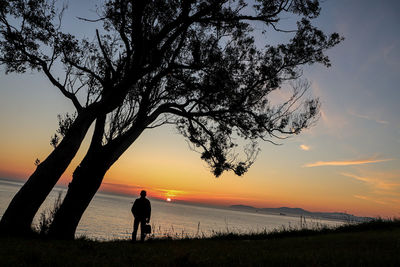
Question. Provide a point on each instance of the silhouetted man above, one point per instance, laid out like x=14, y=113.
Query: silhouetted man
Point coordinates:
x=141, y=210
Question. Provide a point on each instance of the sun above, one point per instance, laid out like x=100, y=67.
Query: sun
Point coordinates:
x=169, y=199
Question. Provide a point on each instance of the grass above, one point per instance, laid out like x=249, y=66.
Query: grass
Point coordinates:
x=375, y=243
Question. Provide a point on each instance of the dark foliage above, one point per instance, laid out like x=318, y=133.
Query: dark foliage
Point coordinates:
x=191, y=63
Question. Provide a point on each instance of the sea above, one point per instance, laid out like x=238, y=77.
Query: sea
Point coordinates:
x=109, y=217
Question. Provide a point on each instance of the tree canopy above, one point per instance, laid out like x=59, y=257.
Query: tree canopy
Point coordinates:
x=191, y=63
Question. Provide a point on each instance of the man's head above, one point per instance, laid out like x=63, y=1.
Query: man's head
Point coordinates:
x=143, y=193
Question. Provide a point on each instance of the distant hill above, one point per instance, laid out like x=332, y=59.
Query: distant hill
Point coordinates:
x=243, y=207
x=302, y=212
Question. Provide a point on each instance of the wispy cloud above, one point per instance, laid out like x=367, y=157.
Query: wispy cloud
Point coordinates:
x=366, y=117
x=375, y=181
x=345, y=162
x=383, y=187
x=170, y=192
x=334, y=121
x=305, y=147
x=370, y=199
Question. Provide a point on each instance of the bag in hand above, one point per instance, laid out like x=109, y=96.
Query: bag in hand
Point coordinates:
x=147, y=229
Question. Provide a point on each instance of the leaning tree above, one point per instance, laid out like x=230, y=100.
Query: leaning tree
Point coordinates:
x=97, y=77
x=214, y=85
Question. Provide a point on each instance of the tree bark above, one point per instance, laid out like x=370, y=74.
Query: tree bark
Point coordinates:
x=19, y=215
x=87, y=179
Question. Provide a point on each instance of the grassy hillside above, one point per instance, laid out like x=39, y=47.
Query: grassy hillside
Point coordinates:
x=368, y=244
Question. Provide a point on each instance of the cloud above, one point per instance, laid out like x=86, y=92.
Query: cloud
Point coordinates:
x=384, y=187
x=370, y=199
x=334, y=122
x=345, y=162
x=365, y=117
x=375, y=181
x=170, y=192
x=305, y=147
x=393, y=193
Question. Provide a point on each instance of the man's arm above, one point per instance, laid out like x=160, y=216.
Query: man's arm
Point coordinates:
x=133, y=209
x=149, y=212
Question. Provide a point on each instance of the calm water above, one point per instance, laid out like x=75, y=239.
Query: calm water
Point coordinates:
x=109, y=217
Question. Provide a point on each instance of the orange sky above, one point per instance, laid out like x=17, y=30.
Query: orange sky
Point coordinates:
x=170, y=169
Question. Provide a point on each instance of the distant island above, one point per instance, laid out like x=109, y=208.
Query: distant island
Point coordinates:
x=341, y=216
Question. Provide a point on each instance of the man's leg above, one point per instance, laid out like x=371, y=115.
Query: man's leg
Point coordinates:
x=142, y=233
x=135, y=228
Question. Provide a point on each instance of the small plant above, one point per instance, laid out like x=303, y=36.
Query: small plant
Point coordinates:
x=47, y=216
x=64, y=123
x=37, y=162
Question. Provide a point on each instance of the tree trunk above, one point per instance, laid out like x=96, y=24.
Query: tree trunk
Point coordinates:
x=86, y=181
x=18, y=217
